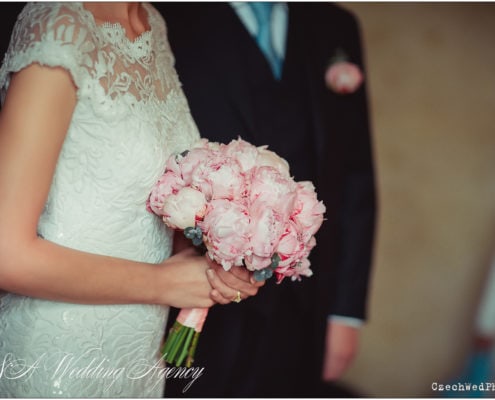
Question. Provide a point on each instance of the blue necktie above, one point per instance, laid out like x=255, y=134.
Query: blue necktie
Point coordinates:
x=263, y=14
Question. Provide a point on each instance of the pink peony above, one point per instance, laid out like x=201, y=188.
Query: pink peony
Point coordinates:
x=182, y=209
x=343, y=77
x=172, y=165
x=270, y=188
x=206, y=144
x=291, y=247
x=245, y=153
x=219, y=177
x=268, y=158
x=267, y=226
x=190, y=162
x=249, y=156
x=168, y=184
x=296, y=264
x=308, y=211
x=254, y=262
x=295, y=273
x=226, y=232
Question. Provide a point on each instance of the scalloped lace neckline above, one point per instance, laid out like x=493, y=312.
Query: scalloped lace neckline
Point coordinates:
x=108, y=28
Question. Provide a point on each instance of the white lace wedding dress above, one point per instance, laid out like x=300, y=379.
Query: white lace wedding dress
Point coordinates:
x=130, y=116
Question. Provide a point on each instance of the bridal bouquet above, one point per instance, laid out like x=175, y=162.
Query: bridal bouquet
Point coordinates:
x=240, y=202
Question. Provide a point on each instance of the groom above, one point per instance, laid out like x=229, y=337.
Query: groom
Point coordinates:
x=281, y=342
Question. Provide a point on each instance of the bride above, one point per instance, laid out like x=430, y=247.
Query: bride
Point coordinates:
x=92, y=108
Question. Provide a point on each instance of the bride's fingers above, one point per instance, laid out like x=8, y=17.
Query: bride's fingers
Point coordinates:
x=245, y=275
x=241, y=273
x=223, y=293
x=238, y=278
x=218, y=298
x=235, y=283
x=220, y=293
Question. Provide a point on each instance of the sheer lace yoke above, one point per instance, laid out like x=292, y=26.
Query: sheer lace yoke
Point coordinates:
x=101, y=58
x=139, y=54
x=117, y=27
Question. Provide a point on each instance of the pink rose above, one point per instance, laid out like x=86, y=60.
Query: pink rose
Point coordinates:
x=169, y=183
x=226, y=232
x=308, y=211
x=343, y=77
x=182, y=209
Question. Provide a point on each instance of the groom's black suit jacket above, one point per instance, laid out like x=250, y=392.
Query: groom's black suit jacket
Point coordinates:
x=271, y=345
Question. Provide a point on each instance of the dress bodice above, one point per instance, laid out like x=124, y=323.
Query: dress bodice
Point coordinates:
x=130, y=115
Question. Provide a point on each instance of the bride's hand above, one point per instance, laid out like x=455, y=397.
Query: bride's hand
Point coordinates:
x=234, y=285
x=194, y=280
x=184, y=276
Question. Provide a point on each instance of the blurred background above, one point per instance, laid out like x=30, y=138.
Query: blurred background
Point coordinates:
x=431, y=80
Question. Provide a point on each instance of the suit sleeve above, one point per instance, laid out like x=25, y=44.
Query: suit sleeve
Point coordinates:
x=357, y=205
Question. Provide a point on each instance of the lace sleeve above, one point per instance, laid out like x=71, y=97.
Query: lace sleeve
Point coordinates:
x=48, y=34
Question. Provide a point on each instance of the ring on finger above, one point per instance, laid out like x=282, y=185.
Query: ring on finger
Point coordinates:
x=237, y=298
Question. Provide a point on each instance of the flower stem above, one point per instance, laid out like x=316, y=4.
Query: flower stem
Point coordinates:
x=192, y=350
x=185, y=347
x=180, y=343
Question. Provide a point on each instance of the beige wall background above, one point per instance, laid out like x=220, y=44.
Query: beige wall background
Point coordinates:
x=432, y=84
